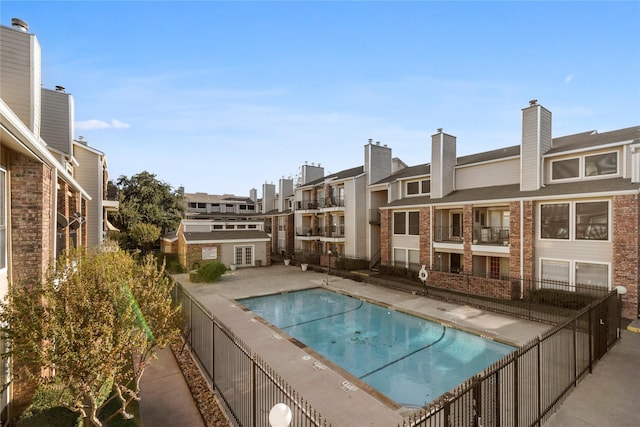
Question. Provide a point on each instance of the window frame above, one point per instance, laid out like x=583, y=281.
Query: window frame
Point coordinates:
x=420, y=187
x=582, y=166
x=573, y=272
x=572, y=233
x=407, y=229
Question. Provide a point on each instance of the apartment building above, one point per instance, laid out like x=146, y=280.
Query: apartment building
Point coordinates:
x=44, y=209
x=276, y=208
x=556, y=210
x=220, y=207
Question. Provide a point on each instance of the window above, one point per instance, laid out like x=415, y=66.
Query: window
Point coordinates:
x=414, y=223
x=403, y=223
x=193, y=205
x=592, y=274
x=418, y=187
x=565, y=169
x=592, y=221
x=554, y=221
x=3, y=222
x=555, y=273
x=601, y=164
x=399, y=223
x=413, y=187
x=243, y=207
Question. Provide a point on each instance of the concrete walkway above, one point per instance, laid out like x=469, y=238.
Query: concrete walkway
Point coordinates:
x=165, y=397
x=610, y=396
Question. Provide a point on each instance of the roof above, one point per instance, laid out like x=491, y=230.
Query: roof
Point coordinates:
x=486, y=156
x=209, y=236
x=343, y=174
x=512, y=191
x=215, y=198
x=408, y=172
x=593, y=138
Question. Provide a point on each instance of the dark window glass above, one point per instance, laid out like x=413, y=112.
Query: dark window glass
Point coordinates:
x=426, y=186
x=399, y=223
x=554, y=221
x=413, y=187
x=601, y=164
x=564, y=169
x=414, y=223
x=592, y=221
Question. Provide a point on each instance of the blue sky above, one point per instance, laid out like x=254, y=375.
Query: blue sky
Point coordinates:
x=221, y=97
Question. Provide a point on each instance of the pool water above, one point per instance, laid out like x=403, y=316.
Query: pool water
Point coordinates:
x=410, y=360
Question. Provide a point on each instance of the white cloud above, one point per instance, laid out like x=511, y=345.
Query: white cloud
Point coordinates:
x=569, y=78
x=95, y=124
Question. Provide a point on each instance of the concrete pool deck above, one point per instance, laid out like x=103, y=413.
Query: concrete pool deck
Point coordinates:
x=324, y=388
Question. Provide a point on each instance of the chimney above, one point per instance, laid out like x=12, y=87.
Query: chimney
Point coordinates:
x=286, y=191
x=536, y=141
x=377, y=162
x=253, y=195
x=19, y=24
x=310, y=173
x=268, y=197
x=443, y=163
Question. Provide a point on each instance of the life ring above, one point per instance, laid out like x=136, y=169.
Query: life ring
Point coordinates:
x=423, y=274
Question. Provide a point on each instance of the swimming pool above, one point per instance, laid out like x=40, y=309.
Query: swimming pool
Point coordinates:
x=410, y=360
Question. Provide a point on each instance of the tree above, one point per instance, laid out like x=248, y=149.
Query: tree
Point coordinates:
x=144, y=235
x=143, y=198
x=92, y=325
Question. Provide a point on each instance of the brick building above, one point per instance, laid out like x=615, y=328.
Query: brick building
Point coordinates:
x=44, y=210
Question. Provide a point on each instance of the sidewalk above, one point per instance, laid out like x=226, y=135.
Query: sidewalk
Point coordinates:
x=610, y=396
x=165, y=397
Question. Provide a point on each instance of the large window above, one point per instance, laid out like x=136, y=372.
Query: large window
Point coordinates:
x=555, y=273
x=418, y=187
x=406, y=223
x=554, y=221
x=565, y=169
x=592, y=274
x=399, y=223
x=590, y=220
x=601, y=164
x=585, y=166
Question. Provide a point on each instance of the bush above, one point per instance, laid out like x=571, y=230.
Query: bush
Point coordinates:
x=210, y=272
x=352, y=264
x=172, y=263
x=560, y=298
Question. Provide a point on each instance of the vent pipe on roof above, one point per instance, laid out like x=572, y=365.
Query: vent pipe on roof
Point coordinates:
x=19, y=24
x=60, y=89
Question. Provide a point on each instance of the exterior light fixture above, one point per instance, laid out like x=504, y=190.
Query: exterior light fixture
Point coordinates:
x=280, y=415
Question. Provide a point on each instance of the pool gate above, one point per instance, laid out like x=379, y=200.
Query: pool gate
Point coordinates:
x=522, y=389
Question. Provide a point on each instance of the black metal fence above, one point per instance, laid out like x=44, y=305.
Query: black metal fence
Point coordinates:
x=248, y=387
x=525, y=388
x=522, y=389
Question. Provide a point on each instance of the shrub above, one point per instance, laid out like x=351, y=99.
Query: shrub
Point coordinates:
x=210, y=272
x=352, y=264
x=560, y=298
x=172, y=263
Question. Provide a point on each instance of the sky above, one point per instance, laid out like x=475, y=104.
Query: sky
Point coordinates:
x=224, y=96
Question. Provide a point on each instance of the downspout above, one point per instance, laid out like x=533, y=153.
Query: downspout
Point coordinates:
x=522, y=248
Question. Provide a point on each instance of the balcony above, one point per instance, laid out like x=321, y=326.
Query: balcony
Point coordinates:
x=491, y=236
x=306, y=204
x=448, y=234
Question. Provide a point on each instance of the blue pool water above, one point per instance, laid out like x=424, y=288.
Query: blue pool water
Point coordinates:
x=410, y=360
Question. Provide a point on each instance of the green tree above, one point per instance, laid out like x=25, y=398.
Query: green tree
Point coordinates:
x=144, y=235
x=92, y=316
x=144, y=198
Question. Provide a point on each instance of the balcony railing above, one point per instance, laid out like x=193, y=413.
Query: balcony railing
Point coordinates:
x=490, y=235
x=448, y=234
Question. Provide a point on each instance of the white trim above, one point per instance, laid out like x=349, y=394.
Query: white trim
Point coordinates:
x=585, y=149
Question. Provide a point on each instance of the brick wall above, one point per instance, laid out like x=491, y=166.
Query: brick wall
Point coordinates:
x=495, y=288
x=467, y=236
x=31, y=218
x=385, y=237
x=515, y=239
x=626, y=218
x=425, y=236
x=528, y=241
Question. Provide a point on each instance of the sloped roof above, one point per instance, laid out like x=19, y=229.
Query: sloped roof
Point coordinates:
x=344, y=174
x=593, y=138
x=408, y=172
x=194, y=237
x=215, y=198
x=512, y=191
